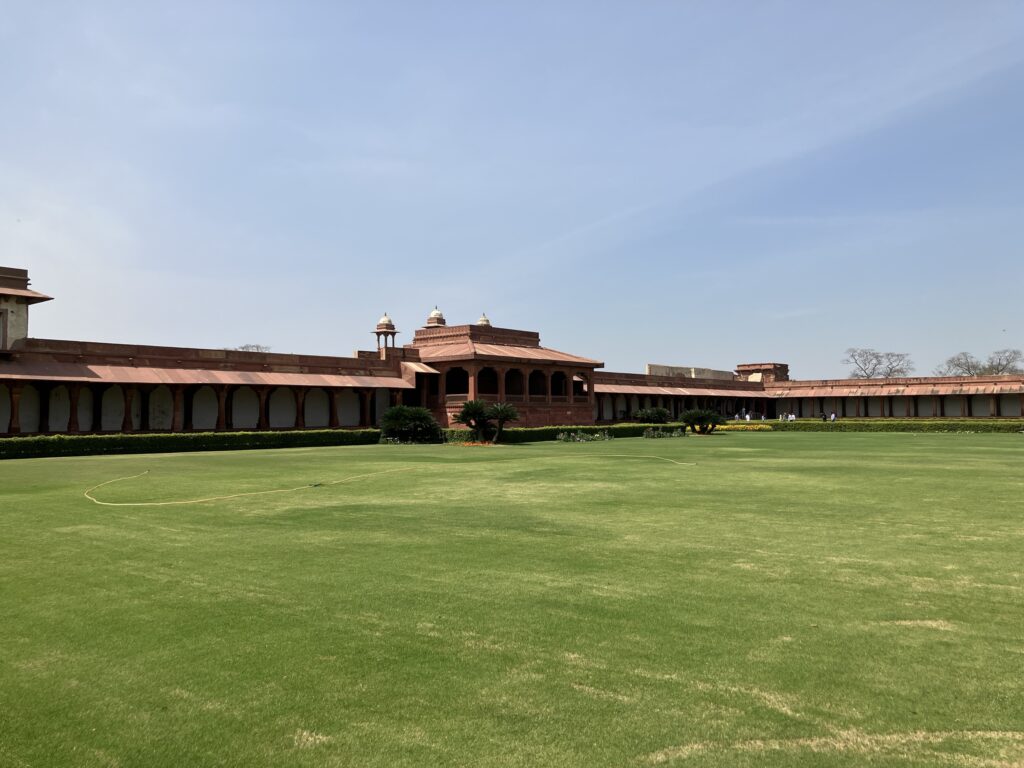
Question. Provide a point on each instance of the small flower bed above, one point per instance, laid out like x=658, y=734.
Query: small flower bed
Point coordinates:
x=760, y=427
x=655, y=433
x=582, y=437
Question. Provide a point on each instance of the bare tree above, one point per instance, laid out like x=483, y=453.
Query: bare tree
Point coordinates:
x=1002, y=361
x=872, y=364
x=866, y=362
x=895, y=365
x=1005, y=361
x=249, y=348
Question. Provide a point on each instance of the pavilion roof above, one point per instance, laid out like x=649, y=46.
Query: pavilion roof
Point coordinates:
x=33, y=297
x=468, y=349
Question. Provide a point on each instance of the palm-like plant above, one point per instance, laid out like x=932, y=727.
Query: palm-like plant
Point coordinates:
x=475, y=414
x=502, y=413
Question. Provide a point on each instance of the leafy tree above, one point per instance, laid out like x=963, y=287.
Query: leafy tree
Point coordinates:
x=652, y=415
x=1002, y=361
x=476, y=414
x=702, y=421
x=410, y=424
x=502, y=413
x=871, y=364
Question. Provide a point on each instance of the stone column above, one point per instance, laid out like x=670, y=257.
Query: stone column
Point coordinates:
x=178, y=412
x=129, y=401
x=144, y=409
x=547, y=382
x=993, y=407
x=16, y=389
x=501, y=383
x=97, y=410
x=222, y=408
x=332, y=408
x=472, y=370
x=364, y=407
x=300, y=407
x=442, y=387
x=264, y=418
x=74, y=391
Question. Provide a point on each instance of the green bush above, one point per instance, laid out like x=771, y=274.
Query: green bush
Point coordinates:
x=653, y=415
x=410, y=424
x=702, y=420
x=172, y=442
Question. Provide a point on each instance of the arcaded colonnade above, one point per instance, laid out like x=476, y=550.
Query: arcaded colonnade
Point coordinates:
x=619, y=407
x=51, y=407
x=510, y=384
x=907, y=406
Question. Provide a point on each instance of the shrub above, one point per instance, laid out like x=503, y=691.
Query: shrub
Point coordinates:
x=582, y=437
x=702, y=421
x=502, y=413
x=653, y=415
x=475, y=414
x=410, y=424
x=172, y=442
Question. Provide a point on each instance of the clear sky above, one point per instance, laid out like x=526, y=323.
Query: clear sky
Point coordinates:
x=693, y=183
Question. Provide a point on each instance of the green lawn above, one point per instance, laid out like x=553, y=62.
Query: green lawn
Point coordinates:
x=790, y=599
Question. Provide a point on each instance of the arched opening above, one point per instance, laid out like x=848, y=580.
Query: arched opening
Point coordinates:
x=514, y=384
x=28, y=409
x=282, y=408
x=608, y=407
x=245, y=408
x=112, y=405
x=60, y=409
x=382, y=401
x=316, y=411
x=580, y=387
x=487, y=382
x=204, y=408
x=161, y=408
x=456, y=381
x=559, y=384
x=85, y=410
x=348, y=408
x=538, y=384
x=621, y=407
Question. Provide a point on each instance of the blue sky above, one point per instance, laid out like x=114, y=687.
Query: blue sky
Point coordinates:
x=694, y=183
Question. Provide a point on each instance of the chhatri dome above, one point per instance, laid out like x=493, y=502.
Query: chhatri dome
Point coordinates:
x=385, y=323
x=483, y=320
x=435, y=318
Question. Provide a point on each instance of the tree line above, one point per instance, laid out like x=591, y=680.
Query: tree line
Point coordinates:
x=866, y=363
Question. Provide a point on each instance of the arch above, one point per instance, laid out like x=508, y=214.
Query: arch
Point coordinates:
x=161, y=408
x=85, y=410
x=282, y=408
x=487, y=381
x=559, y=384
x=456, y=381
x=28, y=409
x=245, y=408
x=204, y=408
x=60, y=409
x=515, y=383
x=317, y=408
x=112, y=409
x=5, y=409
x=621, y=406
x=538, y=384
x=383, y=402
x=348, y=408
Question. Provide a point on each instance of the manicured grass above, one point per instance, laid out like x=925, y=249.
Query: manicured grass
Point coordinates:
x=791, y=600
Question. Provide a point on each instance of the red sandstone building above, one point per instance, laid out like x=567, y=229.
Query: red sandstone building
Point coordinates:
x=54, y=386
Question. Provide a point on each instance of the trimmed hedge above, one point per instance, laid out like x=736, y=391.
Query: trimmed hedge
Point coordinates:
x=900, y=425
x=538, y=434
x=173, y=442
